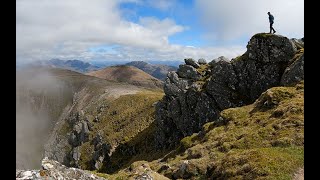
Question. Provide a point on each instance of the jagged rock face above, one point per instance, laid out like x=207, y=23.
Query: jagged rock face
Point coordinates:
x=79, y=134
x=295, y=72
x=221, y=58
x=202, y=61
x=271, y=49
x=54, y=170
x=222, y=85
x=262, y=66
x=197, y=93
x=191, y=62
x=174, y=85
x=189, y=72
x=298, y=42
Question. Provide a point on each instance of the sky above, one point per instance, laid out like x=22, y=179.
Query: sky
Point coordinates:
x=147, y=30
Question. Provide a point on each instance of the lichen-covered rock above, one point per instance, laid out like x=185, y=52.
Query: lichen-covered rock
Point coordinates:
x=298, y=42
x=80, y=133
x=144, y=176
x=174, y=85
x=202, y=61
x=265, y=47
x=191, y=62
x=189, y=72
x=262, y=66
x=221, y=58
x=185, y=171
x=295, y=72
x=222, y=85
x=54, y=170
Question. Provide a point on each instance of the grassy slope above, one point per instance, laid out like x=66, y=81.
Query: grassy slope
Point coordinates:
x=128, y=74
x=264, y=140
x=122, y=120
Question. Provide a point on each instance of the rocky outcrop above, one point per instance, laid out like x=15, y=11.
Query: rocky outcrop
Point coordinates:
x=189, y=72
x=80, y=130
x=54, y=170
x=221, y=58
x=78, y=135
x=196, y=94
x=294, y=72
x=202, y=61
x=299, y=43
x=191, y=62
x=101, y=152
x=141, y=170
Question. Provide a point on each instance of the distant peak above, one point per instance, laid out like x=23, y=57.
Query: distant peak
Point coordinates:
x=138, y=62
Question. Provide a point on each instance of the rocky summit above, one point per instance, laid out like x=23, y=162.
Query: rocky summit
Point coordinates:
x=198, y=92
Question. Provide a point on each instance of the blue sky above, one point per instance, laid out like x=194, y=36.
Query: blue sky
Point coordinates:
x=182, y=12
x=122, y=30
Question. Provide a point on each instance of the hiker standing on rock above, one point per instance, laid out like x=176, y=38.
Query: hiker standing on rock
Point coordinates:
x=271, y=18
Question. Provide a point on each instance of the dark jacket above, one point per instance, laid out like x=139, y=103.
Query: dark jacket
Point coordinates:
x=271, y=18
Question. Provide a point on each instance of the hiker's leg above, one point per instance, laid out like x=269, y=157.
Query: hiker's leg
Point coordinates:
x=270, y=27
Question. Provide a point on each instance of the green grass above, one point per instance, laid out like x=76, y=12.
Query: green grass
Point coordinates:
x=188, y=141
x=264, y=140
x=86, y=151
x=242, y=57
x=263, y=35
x=260, y=163
x=65, y=128
x=203, y=70
x=297, y=56
x=125, y=122
x=128, y=115
x=118, y=176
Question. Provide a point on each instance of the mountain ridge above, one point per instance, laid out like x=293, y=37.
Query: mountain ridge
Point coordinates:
x=156, y=70
x=74, y=65
x=128, y=74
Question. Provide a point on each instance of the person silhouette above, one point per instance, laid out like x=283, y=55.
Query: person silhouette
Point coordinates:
x=271, y=21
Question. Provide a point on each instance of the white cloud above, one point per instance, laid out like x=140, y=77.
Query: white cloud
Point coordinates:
x=166, y=27
x=48, y=29
x=162, y=5
x=169, y=52
x=230, y=19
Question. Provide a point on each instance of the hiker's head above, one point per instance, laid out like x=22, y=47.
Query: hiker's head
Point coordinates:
x=268, y=13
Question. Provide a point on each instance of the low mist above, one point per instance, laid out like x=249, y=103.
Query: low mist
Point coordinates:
x=39, y=102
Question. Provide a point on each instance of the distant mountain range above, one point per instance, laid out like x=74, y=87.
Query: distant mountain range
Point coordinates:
x=75, y=65
x=156, y=70
x=102, y=63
